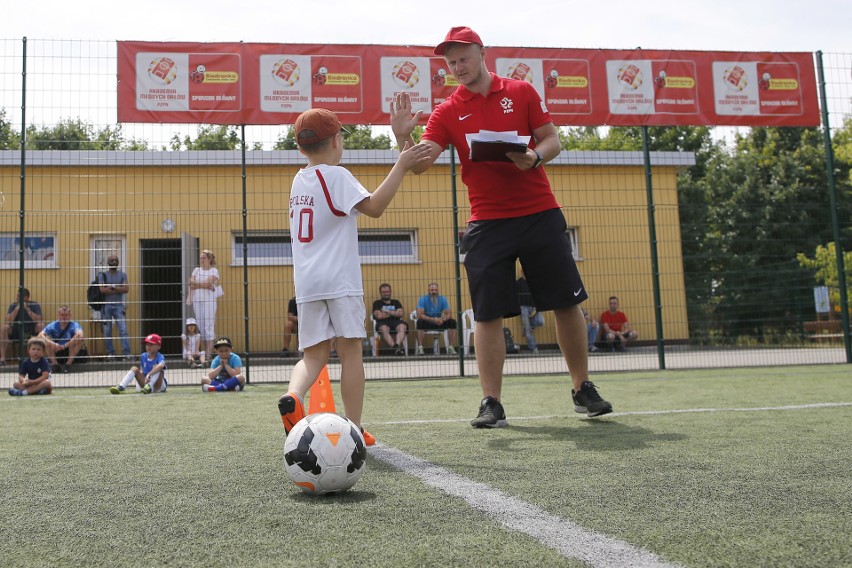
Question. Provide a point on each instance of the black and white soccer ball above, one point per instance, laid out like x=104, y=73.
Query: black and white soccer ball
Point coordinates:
x=325, y=453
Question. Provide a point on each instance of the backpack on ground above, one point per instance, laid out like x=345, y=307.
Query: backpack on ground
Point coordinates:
x=94, y=296
x=511, y=346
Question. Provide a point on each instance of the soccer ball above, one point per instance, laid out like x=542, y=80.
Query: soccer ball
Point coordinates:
x=325, y=453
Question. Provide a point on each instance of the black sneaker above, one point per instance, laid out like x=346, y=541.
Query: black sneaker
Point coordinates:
x=491, y=414
x=588, y=401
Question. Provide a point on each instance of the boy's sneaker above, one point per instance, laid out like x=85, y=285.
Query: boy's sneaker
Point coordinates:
x=588, y=401
x=369, y=439
x=208, y=388
x=45, y=390
x=491, y=414
x=292, y=410
x=117, y=389
x=147, y=389
x=14, y=392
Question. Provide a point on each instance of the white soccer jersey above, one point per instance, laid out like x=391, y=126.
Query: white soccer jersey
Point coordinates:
x=324, y=233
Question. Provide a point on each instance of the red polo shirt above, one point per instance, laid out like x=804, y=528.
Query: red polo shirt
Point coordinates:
x=496, y=190
x=615, y=321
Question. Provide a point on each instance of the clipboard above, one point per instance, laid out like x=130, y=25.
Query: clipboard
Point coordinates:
x=494, y=150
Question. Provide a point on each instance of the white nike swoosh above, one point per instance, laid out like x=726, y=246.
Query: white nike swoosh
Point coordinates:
x=465, y=116
x=577, y=293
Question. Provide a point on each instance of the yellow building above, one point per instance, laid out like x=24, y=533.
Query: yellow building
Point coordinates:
x=156, y=210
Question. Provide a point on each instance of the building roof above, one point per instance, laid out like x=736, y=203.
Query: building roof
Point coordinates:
x=293, y=157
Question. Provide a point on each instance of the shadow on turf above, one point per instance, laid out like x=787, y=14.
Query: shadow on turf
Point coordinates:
x=600, y=435
x=353, y=496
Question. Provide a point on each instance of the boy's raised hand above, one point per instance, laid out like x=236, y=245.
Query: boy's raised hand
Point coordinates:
x=413, y=156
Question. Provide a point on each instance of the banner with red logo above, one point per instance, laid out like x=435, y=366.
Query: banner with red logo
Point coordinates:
x=240, y=83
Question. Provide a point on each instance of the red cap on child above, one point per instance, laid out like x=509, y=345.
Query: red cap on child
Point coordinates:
x=316, y=125
x=153, y=339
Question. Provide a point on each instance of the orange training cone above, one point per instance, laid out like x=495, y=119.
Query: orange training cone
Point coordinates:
x=321, y=397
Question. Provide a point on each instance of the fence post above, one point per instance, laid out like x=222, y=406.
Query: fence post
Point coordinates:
x=835, y=223
x=655, y=262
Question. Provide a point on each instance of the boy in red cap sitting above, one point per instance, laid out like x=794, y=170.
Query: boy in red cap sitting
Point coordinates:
x=150, y=374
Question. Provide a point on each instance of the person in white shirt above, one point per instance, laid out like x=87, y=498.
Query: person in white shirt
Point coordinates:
x=325, y=199
x=205, y=289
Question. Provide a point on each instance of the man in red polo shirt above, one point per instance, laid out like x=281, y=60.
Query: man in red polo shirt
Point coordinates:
x=615, y=329
x=514, y=215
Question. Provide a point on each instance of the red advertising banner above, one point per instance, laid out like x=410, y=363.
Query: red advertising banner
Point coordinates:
x=240, y=83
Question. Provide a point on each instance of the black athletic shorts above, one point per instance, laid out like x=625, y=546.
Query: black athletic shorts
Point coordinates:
x=541, y=243
x=390, y=323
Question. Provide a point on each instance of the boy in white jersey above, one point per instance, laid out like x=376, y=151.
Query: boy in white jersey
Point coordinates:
x=324, y=202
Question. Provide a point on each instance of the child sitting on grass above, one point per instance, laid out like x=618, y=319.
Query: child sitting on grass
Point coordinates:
x=226, y=369
x=150, y=375
x=34, y=373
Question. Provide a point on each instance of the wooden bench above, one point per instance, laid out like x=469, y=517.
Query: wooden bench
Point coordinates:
x=823, y=330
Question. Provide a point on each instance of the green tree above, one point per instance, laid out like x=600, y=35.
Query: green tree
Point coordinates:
x=9, y=138
x=74, y=134
x=359, y=137
x=210, y=137
x=826, y=271
x=767, y=201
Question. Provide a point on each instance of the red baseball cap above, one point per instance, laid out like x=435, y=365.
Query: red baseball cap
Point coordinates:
x=153, y=339
x=316, y=125
x=458, y=34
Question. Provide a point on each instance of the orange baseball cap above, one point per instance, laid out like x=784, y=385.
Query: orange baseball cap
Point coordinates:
x=458, y=34
x=316, y=125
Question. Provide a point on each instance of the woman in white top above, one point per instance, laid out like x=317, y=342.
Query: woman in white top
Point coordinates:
x=202, y=285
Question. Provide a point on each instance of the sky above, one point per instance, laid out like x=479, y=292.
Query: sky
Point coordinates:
x=720, y=25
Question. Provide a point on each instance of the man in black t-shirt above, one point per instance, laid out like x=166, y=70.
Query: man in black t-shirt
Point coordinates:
x=388, y=315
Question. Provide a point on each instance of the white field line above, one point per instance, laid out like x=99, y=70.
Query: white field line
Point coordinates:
x=566, y=537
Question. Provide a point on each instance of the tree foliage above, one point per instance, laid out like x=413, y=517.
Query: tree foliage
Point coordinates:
x=358, y=137
x=826, y=270
x=9, y=138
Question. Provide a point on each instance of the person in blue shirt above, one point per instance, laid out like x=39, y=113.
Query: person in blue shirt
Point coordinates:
x=63, y=339
x=150, y=375
x=226, y=369
x=433, y=312
x=34, y=373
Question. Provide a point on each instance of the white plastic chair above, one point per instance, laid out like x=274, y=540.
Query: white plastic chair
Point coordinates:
x=374, y=342
x=468, y=329
x=433, y=332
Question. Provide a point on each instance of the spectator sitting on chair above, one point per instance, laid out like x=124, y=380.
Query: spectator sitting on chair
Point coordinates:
x=291, y=325
x=24, y=315
x=388, y=314
x=433, y=312
x=114, y=288
x=530, y=317
x=592, y=328
x=63, y=339
x=615, y=329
